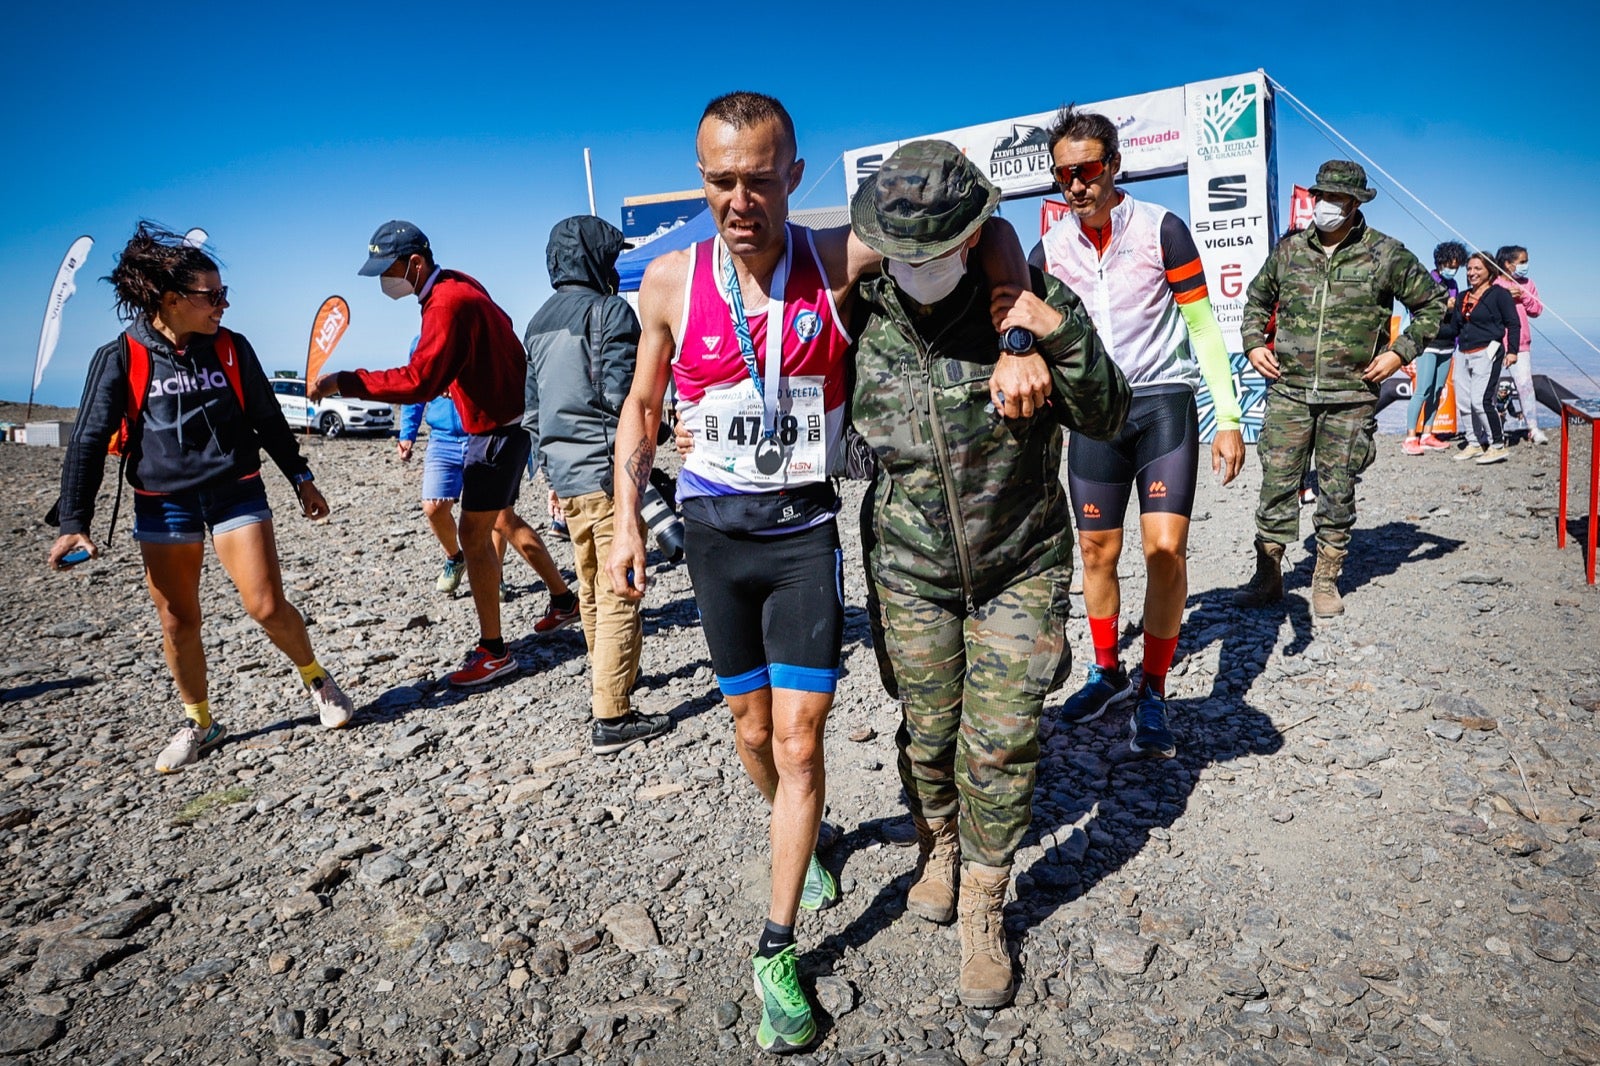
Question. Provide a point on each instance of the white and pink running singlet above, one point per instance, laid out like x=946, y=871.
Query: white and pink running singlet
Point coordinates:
x=720, y=404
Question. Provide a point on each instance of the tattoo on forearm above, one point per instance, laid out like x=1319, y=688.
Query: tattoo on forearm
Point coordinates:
x=639, y=465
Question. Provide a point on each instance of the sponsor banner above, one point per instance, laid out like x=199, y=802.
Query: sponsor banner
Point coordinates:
x=1230, y=206
x=1300, y=206
x=333, y=318
x=60, y=292
x=1252, y=391
x=650, y=216
x=1051, y=212
x=1015, y=153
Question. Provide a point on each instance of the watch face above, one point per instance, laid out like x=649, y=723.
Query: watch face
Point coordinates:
x=1016, y=340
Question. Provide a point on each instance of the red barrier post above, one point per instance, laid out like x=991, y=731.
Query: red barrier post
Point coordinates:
x=1568, y=411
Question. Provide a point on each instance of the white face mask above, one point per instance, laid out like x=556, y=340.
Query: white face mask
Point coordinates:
x=1327, y=215
x=1520, y=270
x=397, y=288
x=928, y=283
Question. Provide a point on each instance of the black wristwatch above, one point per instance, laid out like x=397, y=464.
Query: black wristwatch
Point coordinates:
x=1016, y=341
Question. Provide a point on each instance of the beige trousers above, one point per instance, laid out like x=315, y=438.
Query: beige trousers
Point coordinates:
x=612, y=629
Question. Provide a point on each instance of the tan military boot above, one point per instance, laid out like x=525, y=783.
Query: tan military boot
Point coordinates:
x=933, y=896
x=1266, y=587
x=986, y=978
x=1325, y=600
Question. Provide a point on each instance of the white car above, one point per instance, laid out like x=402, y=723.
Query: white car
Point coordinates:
x=334, y=416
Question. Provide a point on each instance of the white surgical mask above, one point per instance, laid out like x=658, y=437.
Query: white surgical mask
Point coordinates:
x=397, y=288
x=928, y=283
x=1520, y=270
x=1327, y=215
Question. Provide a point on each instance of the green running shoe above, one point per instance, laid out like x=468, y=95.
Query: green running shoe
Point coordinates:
x=820, y=891
x=786, y=1024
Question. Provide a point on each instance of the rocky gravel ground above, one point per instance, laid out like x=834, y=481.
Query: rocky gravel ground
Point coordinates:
x=1378, y=843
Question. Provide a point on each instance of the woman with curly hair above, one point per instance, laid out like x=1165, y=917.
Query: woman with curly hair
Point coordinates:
x=187, y=404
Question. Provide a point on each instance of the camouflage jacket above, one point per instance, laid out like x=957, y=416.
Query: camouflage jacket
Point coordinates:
x=966, y=502
x=1333, y=311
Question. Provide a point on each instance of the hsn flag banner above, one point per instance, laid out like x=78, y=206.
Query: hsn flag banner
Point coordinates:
x=333, y=318
x=60, y=293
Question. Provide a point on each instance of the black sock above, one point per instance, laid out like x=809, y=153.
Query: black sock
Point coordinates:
x=566, y=601
x=459, y=557
x=496, y=647
x=774, y=938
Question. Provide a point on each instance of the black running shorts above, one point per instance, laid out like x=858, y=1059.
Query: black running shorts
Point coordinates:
x=492, y=473
x=1158, y=451
x=772, y=608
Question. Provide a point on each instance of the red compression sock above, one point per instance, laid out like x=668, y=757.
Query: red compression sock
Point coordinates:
x=1103, y=634
x=1158, y=653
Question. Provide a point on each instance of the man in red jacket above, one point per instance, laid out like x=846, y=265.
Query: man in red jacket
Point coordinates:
x=469, y=348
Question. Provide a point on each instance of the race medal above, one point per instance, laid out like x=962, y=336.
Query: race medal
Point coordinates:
x=769, y=456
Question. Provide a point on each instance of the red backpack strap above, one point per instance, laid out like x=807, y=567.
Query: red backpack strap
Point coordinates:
x=137, y=364
x=228, y=356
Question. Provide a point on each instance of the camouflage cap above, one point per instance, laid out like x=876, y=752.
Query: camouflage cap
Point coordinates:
x=1344, y=177
x=926, y=199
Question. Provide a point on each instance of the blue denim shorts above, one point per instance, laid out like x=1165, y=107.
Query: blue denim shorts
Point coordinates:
x=442, y=464
x=184, y=517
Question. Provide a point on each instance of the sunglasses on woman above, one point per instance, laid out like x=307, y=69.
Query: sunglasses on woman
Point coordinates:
x=214, y=297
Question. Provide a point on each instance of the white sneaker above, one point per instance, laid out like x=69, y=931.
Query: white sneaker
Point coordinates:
x=1538, y=436
x=333, y=706
x=186, y=746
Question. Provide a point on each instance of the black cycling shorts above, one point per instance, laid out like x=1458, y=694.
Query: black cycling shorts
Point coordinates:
x=1158, y=450
x=772, y=608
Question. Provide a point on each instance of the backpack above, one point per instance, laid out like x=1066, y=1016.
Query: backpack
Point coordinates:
x=136, y=361
x=136, y=364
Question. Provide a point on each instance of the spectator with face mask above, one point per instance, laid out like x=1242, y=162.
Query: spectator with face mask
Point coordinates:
x=1513, y=277
x=1433, y=362
x=1489, y=334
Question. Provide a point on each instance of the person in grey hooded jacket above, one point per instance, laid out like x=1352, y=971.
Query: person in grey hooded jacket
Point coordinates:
x=581, y=347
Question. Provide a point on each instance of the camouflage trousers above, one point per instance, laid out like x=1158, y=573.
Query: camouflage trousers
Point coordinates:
x=971, y=690
x=1339, y=436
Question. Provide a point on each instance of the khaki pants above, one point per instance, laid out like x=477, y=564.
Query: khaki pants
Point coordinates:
x=612, y=629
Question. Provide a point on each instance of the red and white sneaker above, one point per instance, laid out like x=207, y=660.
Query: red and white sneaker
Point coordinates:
x=482, y=666
x=1412, y=446
x=1433, y=443
x=557, y=618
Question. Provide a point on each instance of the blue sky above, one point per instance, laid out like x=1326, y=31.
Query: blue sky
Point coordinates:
x=291, y=131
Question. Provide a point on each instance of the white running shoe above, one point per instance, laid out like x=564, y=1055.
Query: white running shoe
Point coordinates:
x=1538, y=436
x=187, y=745
x=332, y=705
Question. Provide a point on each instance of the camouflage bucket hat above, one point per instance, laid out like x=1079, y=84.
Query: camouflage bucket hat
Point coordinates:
x=1344, y=177
x=926, y=199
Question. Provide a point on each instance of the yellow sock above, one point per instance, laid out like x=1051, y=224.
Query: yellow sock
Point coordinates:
x=199, y=712
x=310, y=673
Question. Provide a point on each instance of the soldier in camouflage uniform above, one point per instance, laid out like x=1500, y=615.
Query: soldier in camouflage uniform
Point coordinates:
x=1333, y=286
x=970, y=544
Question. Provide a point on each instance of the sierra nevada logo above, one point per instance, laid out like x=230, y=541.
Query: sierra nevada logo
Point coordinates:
x=1229, y=122
x=1025, y=153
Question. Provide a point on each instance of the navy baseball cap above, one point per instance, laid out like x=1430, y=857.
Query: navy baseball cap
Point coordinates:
x=392, y=240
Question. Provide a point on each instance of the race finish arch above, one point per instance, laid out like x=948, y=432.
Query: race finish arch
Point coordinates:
x=1221, y=133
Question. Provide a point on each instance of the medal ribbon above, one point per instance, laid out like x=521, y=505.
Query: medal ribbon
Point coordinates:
x=768, y=389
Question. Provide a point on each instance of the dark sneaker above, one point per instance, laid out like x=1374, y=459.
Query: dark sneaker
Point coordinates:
x=786, y=1023
x=187, y=745
x=1104, y=689
x=1149, y=734
x=611, y=735
x=557, y=618
x=820, y=890
x=482, y=666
